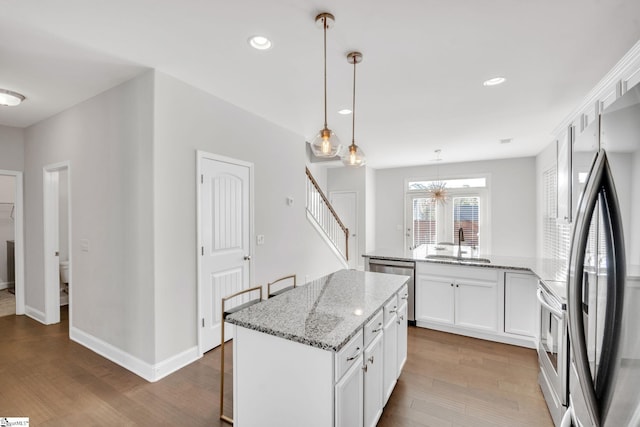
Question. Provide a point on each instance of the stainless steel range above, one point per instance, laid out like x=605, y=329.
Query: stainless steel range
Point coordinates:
x=553, y=348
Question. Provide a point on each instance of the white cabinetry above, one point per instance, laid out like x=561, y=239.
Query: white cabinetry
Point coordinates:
x=350, y=396
x=403, y=323
x=476, y=304
x=373, y=382
x=435, y=299
x=520, y=304
x=482, y=302
x=460, y=296
x=391, y=349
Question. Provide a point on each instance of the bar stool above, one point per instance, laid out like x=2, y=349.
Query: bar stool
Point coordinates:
x=225, y=313
x=282, y=290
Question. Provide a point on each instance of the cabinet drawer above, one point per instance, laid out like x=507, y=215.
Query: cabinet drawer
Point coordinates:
x=403, y=295
x=390, y=309
x=373, y=328
x=348, y=355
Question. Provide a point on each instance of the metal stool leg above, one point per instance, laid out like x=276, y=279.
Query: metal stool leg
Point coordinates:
x=223, y=417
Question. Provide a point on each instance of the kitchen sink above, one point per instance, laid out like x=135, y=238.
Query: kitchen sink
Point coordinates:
x=455, y=258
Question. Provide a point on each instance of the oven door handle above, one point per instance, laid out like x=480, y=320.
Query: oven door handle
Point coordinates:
x=545, y=304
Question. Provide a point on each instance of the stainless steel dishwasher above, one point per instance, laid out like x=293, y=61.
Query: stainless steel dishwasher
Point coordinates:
x=404, y=268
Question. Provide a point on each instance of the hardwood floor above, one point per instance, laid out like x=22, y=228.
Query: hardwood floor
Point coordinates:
x=448, y=381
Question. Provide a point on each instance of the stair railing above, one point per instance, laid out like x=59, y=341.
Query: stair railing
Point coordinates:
x=322, y=212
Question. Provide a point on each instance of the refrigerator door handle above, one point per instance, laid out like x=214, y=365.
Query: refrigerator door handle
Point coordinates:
x=576, y=271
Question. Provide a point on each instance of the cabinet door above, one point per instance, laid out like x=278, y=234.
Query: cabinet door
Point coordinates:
x=520, y=304
x=390, y=340
x=402, y=337
x=350, y=396
x=563, y=176
x=373, y=382
x=434, y=299
x=477, y=304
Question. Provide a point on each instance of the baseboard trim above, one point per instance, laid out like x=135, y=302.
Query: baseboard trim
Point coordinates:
x=35, y=314
x=4, y=285
x=489, y=336
x=149, y=372
x=174, y=363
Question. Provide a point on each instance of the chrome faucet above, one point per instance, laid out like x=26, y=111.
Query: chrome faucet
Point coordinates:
x=460, y=240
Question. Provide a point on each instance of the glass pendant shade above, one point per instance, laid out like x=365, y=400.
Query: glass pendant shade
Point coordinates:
x=326, y=144
x=354, y=157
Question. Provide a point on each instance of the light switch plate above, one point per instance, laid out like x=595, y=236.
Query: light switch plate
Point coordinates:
x=84, y=245
x=260, y=239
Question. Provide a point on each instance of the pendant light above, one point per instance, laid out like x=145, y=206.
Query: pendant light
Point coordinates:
x=354, y=156
x=437, y=189
x=326, y=143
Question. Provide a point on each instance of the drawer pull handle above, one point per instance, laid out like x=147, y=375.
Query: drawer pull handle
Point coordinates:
x=371, y=360
x=375, y=331
x=355, y=356
x=393, y=311
x=405, y=296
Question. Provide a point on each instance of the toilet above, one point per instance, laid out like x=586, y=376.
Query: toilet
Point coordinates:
x=64, y=272
x=64, y=282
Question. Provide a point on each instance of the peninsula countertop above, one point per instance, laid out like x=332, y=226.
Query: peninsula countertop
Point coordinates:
x=323, y=313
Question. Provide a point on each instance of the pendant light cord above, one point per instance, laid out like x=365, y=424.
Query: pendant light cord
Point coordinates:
x=353, y=106
x=324, y=25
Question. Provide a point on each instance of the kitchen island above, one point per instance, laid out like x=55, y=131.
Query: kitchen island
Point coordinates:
x=324, y=354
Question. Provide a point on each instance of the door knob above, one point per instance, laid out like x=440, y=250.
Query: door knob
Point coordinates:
x=247, y=257
x=57, y=253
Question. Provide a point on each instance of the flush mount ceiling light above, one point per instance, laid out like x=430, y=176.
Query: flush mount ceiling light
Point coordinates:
x=505, y=141
x=345, y=112
x=326, y=143
x=260, y=42
x=9, y=98
x=494, y=81
x=355, y=156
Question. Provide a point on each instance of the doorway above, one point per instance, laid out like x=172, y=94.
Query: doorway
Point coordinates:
x=345, y=203
x=225, y=227
x=57, y=240
x=12, y=239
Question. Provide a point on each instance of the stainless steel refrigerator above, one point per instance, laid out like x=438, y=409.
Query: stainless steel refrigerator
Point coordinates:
x=604, y=273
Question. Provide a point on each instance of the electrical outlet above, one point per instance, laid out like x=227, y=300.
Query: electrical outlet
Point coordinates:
x=260, y=239
x=84, y=245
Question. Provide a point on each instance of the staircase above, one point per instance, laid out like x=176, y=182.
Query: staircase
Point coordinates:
x=322, y=216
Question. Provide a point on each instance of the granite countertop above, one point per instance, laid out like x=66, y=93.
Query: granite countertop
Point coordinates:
x=545, y=269
x=325, y=313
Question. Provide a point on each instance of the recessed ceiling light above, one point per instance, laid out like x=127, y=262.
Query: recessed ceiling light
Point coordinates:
x=10, y=98
x=494, y=81
x=260, y=42
x=345, y=111
x=505, y=141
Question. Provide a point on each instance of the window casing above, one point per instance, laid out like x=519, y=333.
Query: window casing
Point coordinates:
x=431, y=222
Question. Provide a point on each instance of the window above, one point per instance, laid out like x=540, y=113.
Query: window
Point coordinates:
x=556, y=236
x=424, y=221
x=431, y=222
x=465, y=216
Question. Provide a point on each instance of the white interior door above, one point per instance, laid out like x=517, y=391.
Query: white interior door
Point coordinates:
x=225, y=229
x=345, y=205
x=51, y=246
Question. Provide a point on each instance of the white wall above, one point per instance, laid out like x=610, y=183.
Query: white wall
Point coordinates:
x=11, y=148
x=188, y=119
x=352, y=179
x=512, y=202
x=108, y=142
x=370, y=210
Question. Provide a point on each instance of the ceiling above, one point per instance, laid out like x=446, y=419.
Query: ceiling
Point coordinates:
x=419, y=85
